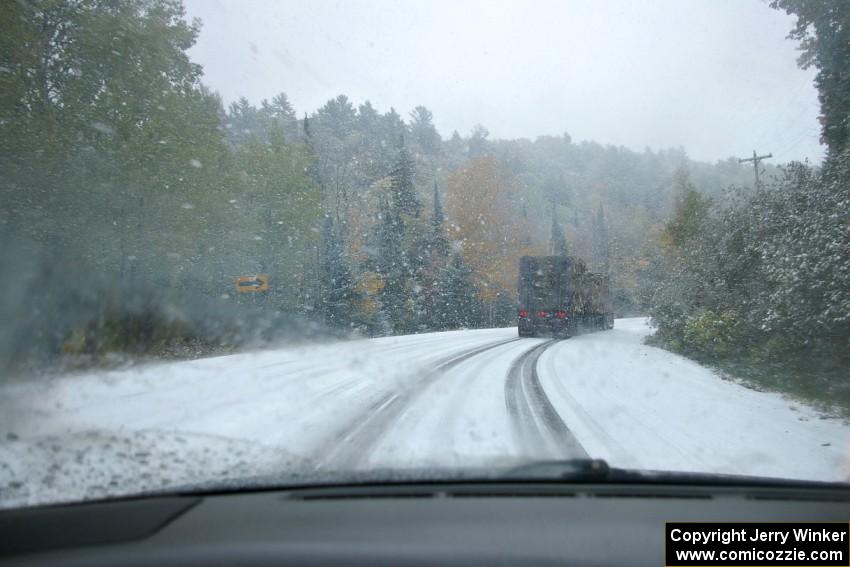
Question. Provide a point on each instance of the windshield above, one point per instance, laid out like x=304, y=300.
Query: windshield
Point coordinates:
x=286, y=240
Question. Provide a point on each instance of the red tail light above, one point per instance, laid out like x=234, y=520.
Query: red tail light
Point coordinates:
x=561, y=314
x=523, y=313
x=542, y=314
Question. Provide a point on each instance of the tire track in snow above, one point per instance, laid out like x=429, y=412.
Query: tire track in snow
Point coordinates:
x=537, y=424
x=278, y=377
x=365, y=432
x=596, y=429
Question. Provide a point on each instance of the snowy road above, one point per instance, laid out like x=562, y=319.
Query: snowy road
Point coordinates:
x=463, y=398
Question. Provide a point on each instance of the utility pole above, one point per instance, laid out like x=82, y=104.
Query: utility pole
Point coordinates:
x=756, y=159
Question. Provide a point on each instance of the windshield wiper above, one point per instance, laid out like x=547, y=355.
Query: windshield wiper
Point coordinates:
x=570, y=470
x=598, y=471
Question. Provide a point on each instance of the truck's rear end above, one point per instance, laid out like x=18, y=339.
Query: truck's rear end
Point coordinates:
x=545, y=296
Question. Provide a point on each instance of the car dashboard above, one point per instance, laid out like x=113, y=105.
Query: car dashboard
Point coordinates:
x=491, y=523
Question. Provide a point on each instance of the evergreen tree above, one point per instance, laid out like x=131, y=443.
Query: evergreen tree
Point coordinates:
x=391, y=266
x=438, y=243
x=339, y=298
x=457, y=303
x=423, y=131
x=688, y=218
x=478, y=144
x=557, y=240
x=394, y=130
x=555, y=189
x=337, y=118
x=601, y=252
x=525, y=239
x=374, y=157
x=307, y=130
x=402, y=176
x=243, y=122
x=437, y=249
x=281, y=117
x=455, y=150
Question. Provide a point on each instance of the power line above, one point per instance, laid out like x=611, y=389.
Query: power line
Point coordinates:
x=756, y=159
x=810, y=135
x=795, y=100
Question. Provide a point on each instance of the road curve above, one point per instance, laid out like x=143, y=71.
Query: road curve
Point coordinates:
x=459, y=417
x=365, y=429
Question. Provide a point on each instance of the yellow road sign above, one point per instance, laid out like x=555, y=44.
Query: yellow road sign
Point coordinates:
x=370, y=284
x=246, y=284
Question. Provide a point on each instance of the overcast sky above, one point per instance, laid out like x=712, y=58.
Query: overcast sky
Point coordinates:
x=716, y=77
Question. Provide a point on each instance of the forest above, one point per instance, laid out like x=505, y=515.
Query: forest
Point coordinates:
x=133, y=196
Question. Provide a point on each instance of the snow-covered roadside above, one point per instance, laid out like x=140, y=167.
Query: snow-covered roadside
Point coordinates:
x=98, y=463
x=639, y=406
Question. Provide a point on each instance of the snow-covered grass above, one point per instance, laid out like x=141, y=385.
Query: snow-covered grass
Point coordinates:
x=641, y=406
x=172, y=424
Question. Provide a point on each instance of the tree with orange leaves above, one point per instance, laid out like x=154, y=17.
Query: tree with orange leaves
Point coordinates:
x=487, y=223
